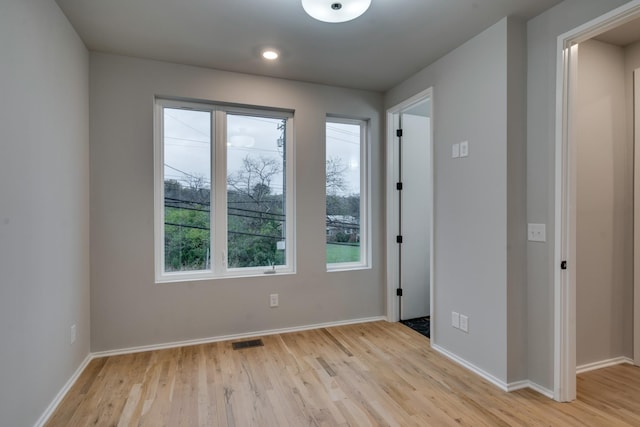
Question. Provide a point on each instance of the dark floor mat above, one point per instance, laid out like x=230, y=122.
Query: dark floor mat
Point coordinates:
x=421, y=325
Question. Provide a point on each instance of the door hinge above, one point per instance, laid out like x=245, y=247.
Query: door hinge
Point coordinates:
x=399, y=133
x=563, y=265
x=399, y=292
x=399, y=186
x=398, y=239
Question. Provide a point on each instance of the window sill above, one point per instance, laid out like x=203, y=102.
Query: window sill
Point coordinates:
x=229, y=275
x=347, y=267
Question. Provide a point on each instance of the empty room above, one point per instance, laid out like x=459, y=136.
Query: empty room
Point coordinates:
x=313, y=212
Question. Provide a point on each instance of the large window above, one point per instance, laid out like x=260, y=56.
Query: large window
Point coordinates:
x=346, y=194
x=223, y=191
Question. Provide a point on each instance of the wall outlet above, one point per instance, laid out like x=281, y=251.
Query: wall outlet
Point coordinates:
x=464, y=323
x=73, y=335
x=273, y=300
x=537, y=233
x=455, y=319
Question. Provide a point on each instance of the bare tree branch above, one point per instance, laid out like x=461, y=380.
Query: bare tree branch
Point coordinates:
x=336, y=182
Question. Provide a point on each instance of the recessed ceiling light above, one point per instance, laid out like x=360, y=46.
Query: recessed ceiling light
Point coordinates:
x=270, y=54
x=335, y=10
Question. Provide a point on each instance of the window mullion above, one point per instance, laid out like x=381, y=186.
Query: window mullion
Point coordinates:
x=219, y=212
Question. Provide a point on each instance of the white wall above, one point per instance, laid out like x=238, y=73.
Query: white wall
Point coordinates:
x=604, y=240
x=127, y=308
x=542, y=35
x=44, y=206
x=470, y=200
x=516, y=202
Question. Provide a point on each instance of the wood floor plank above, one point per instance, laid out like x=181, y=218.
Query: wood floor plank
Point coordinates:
x=374, y=374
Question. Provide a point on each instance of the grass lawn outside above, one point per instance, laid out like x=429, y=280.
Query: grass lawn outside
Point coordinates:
x=342, y=253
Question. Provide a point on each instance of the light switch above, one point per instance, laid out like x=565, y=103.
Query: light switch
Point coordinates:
x=464, y=323
x=537, y=233
x=455, y=319
x=464, y=149
x=455, y=151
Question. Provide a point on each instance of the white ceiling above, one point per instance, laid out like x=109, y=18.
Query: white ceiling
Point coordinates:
x=623, y=35
x=390, y=42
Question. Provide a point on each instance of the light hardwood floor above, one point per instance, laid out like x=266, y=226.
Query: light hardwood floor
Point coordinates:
x=370, y=374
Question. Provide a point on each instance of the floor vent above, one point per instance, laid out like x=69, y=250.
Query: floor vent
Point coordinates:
x=247, y=344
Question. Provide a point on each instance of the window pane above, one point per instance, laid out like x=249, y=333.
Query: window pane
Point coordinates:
x=343, y=192
x=256, y=204
x=187, y=190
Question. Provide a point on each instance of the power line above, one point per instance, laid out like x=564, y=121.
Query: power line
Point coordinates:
x=186, y=139
x=344, y=131
x=241, y=233
x=186, y=173
x=231, y=147
x=344, y=140
x=187, y=124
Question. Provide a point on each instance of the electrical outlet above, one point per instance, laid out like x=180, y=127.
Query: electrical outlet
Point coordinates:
x=455, y=319
x=537, y=233
x=464, y=323
x=273, y=300
x=73, y=334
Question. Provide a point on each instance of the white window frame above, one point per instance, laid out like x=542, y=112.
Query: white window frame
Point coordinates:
x=218, y=222
x=365, y=195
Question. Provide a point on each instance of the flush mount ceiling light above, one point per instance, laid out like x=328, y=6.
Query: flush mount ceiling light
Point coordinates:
x=335, y=10
x=270, y=54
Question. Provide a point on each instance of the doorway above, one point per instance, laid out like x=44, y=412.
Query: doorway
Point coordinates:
x=619, y=23
x=410, y=212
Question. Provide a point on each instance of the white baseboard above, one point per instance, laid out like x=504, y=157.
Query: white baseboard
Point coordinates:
x=473, y=368
x=603, y=364
x=234, y=337
x=63, y=392
x=519, y=385
x=508, y=387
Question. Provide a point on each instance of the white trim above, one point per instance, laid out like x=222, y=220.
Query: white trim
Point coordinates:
x=564, y=245
x=520, y=385
x=636, y=216
x=391, y=204
x=218, y=268
x=542, y=390
x=255, y=334
x=391, y=223
x=65, y=389
x=507, y=387
x=63, y=392
x=365, y=194
x=604, y=364
x=473, y=368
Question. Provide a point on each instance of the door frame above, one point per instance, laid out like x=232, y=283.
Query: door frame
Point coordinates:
x=564, y=388
x=393, y=312
x=636, y=218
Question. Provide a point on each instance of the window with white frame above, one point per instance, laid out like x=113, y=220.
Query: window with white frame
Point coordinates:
x=347, y=196
x=224, y=198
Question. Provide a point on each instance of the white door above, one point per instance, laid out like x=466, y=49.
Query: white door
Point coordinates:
x=415, y=214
